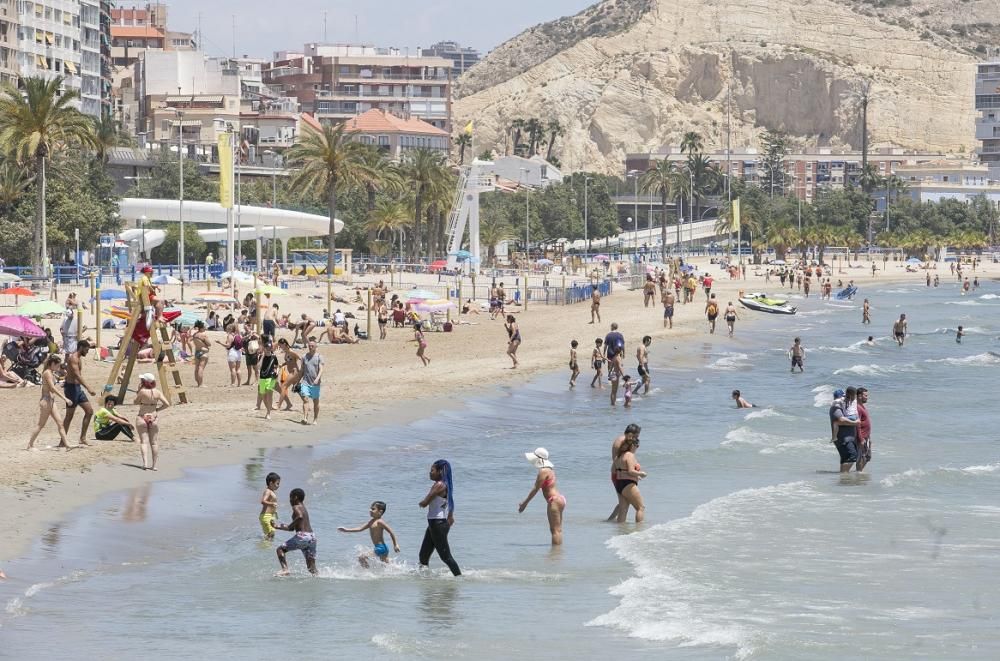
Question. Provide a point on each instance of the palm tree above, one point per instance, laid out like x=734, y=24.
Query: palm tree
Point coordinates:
x=703, y=179
x=328, y=159
x=421, y=168
x=493, y=229
x=781, y=237
x=34, y=123
x=14, y=183
x=659, y=180
x=852, y=240
x=692, y=143
x=463, y=142
x=680, y=184
x=389, y=215
x=107, y=136
x=820, y=236
x=553, y=129
x=377, y=174
x=516, y=128
x=536, y=133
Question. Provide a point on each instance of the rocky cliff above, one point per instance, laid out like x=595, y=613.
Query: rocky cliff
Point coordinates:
x=633, y=75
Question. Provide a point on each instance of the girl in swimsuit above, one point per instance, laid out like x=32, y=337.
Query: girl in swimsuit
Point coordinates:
x=151, y=401
x=232, y=355
x=289, y=374
x=574, y=368
x=418, y=337
x=627, y=476
x=514, y=333
x=597, y=360
x=199, y=339
x=546, y=481
x=46, y=405
x=383, y=319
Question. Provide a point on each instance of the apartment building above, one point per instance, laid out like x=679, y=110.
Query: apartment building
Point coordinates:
x=394, y=136
x=806, y=172
x=135, y=30
x=8, y=41
x=988, y=122
x=338, y=82
x=462, y=57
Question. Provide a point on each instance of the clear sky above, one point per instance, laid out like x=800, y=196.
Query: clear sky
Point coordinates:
x=265, y=26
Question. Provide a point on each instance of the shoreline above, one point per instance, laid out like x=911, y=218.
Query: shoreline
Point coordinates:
x=35, y=494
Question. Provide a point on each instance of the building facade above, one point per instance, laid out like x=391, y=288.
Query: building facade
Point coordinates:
x=8, y=41
x=135, y=30
x=988, y=122
x=462, y=57
x=338, y=82
x=394, y=136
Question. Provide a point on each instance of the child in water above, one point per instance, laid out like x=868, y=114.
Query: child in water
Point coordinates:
x=304, y=539
x=574, y=368
x=597, y=360
x=269, y=505
x=959, y=335
x=627, y=385
x=377, y=528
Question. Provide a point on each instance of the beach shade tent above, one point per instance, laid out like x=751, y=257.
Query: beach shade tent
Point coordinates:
x=9, y=277
x=438, y=265
x=113, y=295
x=544, y=262
x=164, y=279
x=18, y=326
x=265, y=288
x=602, y=258
x=238, y=276
x=437, y=305
x=420, y=295
x=214, y=297
x=914, y=260
x=40, y=308
x=778, y=262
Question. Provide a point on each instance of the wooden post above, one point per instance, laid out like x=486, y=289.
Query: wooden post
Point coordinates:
x=447, y=297
x=565, y=302
x=97, y=321
x=460, y=299
x=525, y=292
x=369, y=322
x=329, y=295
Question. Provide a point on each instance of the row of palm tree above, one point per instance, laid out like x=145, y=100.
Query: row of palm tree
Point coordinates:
x=536, y=134
x=414, y=194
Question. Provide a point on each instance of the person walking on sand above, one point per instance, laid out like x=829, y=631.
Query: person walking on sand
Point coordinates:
x=312, y=379
x=899, y=329
x=642, y=357
x=74, y=387
x=597, y=360
x=648, y=291
x=440, y=504
x=731, y=317
x=545, y=481
x=199, y=340
x=233, y=346
x=46, y=405
x=268, y=378
x=513, y=338
x=712, y=312
x=595, y=304
x=150, y=401
x=304, y=538
x=289, y=376
x=668, y=299
x=418, y=337
x=627, y=476
x=382, y=314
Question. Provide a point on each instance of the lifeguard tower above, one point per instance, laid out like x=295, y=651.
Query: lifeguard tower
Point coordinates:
x=478, y=178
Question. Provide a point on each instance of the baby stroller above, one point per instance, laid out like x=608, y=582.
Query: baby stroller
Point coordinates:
x=25, y=362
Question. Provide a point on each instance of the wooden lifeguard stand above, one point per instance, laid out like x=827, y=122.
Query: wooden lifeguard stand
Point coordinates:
x=163, y=352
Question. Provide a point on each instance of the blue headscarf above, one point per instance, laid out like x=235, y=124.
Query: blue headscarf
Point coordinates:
x=445, y=468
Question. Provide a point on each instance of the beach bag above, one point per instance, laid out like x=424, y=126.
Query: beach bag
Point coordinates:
x=238, y=342
x=713, y=310
x=253, y=347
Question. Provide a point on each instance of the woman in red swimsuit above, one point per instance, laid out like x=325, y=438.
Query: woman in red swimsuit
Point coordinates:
x=546, y=481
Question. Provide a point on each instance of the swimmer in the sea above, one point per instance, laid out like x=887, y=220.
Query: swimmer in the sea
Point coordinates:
x=741, y=402
x=377, y=528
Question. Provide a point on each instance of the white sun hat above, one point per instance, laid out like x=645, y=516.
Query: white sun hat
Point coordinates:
x=539, y=458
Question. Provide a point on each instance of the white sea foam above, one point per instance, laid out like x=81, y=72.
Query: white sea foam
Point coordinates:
x=816, y=313
x=747, y=436
x=764, y=413
x=916, y=475
x=965, y=303
x=989, y=297
x=824, y=395
x=731, y=361
x=857, y=347
x=798, y=444
x=980, y=360
x=875, y=370
x=895, y=291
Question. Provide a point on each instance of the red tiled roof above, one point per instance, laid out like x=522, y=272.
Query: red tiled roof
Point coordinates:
x=380, y=121
x=132, y=32
x=310, y=121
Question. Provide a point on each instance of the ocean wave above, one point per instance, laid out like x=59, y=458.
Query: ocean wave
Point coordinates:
x=857, y=347
x=731, y=361
x=980, y=359
x=989, y=297
x=747, y=436
x=896, y=291
x=816, y=313
x=764, y=413
x=824, y=395
x=875, y=370
x=820, y=444
x=917, y=475
x=966, y=303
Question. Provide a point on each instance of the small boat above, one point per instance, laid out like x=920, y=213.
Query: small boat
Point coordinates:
x=847, y=293
x=762, y=303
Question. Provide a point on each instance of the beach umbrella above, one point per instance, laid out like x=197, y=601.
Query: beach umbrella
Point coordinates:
x=238, y=276
x=544, y=262
x=272, y=290
x=463, y=254
x=214, y=297
x=419, y=295
x=17, y=292
x=184, y=317
x=113, y=295
x=40, y=308
x=9, y=277
x=20, y=326
x=164, y=279
x=913, y=260
x=602, y=257
x=440, y=306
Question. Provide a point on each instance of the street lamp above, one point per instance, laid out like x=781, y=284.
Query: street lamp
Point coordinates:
x=586, y=215
x=527, y=215
x=142, y=229
x=180, y=201
x=274, y=201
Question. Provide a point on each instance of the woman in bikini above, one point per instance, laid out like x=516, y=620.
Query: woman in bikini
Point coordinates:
x=514, y=335
x=150, y=401
x=46, y=405
x=199, y=340
x=627, y=476
x=731, y=317
x=383, y=319
x=418, y=337
x=233, y=355
x=546, y=481
x=289, y=374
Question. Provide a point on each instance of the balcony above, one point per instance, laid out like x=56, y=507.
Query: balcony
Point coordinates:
x=392, y=76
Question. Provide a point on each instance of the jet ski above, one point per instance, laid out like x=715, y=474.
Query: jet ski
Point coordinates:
x=762, y=303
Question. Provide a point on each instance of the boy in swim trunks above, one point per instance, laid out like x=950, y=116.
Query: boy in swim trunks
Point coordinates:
x=574, y=367
x=304, y=539
x=377, y=528
x=269, y=505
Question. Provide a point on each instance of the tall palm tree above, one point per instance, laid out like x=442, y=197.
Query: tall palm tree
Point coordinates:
x=554, y=130
x=659, y=180
x=328, y=159
x=14, y=183
x=703, y=179
x=516, y=128
x=680, y=185
x=440, y=196
x=389, y=215
x=422, y=168
x=463, y=142
x=493, y=229
x=34, y=123
x=536, y=133
x=377, y=175
x=692, y=143
x=781, y=237
x=107, y=136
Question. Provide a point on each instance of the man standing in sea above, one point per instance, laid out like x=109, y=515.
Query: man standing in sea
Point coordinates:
x=899, y=329
x=844, y=428
x=864, y=430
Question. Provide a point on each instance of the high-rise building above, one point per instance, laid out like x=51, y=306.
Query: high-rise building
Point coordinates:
x=462, y=57
x=988, y=122
x=135, y=30
x=8, y=41
x=338, y=82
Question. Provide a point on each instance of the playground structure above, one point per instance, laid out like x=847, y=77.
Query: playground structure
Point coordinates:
x=140, y=306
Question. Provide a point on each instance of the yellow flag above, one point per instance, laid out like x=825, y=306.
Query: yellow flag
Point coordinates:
x=736, y=215
x=468, y=129
x=225, y=172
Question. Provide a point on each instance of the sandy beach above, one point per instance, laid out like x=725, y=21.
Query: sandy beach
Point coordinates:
x=367, y=384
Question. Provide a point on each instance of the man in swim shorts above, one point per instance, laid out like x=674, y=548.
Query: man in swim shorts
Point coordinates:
x=73, y=389
x=899, y=330
x=312, y=377
x=668, y=301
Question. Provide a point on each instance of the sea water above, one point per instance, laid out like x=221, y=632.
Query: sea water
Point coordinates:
x=753, y=546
